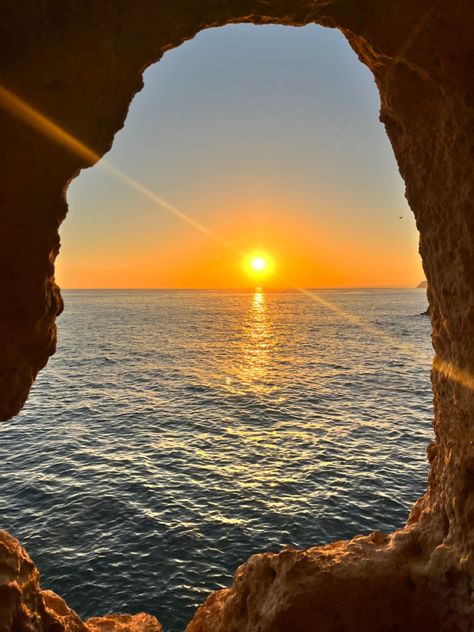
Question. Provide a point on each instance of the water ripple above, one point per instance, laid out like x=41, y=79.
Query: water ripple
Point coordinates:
x=176, y=433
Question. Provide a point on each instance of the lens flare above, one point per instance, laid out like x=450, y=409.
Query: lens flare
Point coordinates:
x=264, y=264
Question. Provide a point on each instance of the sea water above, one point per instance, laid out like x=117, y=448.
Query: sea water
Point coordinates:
x=175, y=433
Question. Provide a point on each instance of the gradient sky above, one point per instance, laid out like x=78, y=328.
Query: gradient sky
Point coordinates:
x=268, y=136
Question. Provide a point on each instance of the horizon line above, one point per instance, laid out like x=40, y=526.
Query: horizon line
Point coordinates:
x=252, y=288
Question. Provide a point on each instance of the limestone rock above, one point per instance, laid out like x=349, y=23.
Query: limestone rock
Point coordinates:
x=24, y=607
x=124, y=623
x=21, y=604
x=371, y=584
x=65, y=619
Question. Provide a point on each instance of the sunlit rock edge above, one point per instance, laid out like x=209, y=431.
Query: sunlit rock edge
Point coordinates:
x=24, y=606
x=81, y=64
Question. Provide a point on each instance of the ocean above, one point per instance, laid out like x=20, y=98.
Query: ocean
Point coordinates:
x=175, y=433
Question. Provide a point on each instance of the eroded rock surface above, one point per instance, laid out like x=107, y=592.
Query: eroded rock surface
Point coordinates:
x=24, y=607
x=371, y=584
x=124, y=623
x=80, y=64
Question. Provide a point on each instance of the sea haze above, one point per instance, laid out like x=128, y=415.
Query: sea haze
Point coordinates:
x=175, y=433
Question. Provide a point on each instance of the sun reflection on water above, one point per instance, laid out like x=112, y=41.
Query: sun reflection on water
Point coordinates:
x=256, y=347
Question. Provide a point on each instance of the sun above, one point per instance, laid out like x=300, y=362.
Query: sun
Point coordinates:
x=258, y=265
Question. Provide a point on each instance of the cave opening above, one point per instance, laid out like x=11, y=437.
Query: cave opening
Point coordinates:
x=246, y=495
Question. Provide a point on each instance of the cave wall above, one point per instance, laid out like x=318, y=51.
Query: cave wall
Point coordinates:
x=80, y=63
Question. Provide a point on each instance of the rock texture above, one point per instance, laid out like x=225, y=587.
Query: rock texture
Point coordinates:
x=343, y=586
x=21, y=606
x=80, y=63
x=124, y=623
x=24, y=607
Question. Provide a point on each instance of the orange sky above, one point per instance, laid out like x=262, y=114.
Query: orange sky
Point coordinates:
x=273, y=148
x=313, y=253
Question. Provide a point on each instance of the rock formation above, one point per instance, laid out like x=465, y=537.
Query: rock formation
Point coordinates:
x=79, y=64
x=24, y=607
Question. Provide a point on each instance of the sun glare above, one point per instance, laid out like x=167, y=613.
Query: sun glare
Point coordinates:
x=258, y=265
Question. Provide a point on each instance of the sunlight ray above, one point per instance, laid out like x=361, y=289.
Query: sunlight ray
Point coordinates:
x=25, y=112
x=40, y=122
x=446, y=369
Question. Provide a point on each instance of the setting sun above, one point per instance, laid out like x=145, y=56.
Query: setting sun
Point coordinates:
x=258, y=265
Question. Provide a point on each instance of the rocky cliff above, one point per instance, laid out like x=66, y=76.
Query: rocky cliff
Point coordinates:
x=69, y=70
x=24, y=607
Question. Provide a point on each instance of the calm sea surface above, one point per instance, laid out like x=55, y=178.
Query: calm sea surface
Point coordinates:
x=176, y=433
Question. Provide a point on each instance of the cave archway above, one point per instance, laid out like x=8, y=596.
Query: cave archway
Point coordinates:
x=80, y=66
x=338, y=137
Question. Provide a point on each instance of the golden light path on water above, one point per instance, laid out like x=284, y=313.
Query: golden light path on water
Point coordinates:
x=256, y=346
x=22, y=110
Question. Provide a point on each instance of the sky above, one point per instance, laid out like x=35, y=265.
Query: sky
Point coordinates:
x=268, y=137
